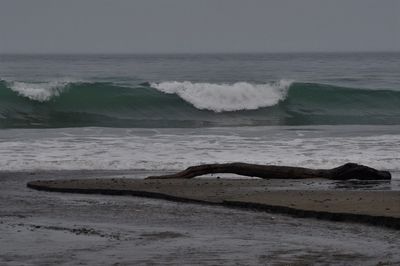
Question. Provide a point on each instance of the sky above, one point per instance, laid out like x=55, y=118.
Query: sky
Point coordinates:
x=198, y=26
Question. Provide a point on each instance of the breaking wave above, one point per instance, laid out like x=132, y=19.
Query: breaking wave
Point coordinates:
x=227, y=97
x=186, y=104
x=41, y=92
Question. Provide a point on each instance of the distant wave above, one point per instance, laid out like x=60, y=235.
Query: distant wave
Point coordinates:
x=68, y=103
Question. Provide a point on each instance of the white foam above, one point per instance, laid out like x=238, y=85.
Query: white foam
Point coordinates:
x=174, y=149
x=227, y=97
x=41, y=92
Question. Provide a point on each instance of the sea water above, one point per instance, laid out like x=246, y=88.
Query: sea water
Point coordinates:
x=130, y=116
x=166, y=112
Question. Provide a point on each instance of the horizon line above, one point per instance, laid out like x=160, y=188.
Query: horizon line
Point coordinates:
x=199, y=53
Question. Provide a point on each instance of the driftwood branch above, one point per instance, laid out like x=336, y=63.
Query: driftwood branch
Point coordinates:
x=344, y=172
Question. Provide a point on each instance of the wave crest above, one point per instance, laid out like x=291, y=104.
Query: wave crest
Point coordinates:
x=41, y=92
x=178, y=104
x=227, y=97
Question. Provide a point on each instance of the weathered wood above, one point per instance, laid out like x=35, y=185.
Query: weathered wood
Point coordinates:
x=344, y=172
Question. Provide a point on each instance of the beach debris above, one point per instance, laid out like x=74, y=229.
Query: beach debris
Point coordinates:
x=345, y=172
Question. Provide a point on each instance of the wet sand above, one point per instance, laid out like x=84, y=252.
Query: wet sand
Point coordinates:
x=373, y=207
x=42, y=228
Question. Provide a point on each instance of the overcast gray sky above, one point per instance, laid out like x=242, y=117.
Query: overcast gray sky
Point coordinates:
x=170, y=26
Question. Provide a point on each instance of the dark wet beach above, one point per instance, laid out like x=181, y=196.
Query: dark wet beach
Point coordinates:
x=69, y=229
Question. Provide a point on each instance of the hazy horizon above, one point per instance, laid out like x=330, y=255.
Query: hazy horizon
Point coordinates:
x=192, y=53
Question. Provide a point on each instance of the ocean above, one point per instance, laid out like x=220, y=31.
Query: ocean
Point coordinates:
x=166, y=112
x=131, y=116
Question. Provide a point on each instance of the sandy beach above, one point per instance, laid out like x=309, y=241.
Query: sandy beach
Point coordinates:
x=45, y=228
x=373, y=207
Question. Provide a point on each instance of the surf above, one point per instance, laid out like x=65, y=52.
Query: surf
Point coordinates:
x=66, y=103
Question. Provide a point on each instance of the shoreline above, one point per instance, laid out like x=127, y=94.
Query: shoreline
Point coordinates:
x=380, y=208
x=59, y=228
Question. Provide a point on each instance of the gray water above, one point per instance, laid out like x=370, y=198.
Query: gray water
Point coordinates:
x=86, y=116
x=363, y=70
x=170, y=91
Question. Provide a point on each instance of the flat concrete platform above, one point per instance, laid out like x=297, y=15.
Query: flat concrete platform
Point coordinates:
x=372, y=207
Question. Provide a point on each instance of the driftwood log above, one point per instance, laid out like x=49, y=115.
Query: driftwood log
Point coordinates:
x=344, y=172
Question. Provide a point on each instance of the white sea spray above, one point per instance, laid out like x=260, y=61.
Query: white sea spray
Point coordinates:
x=39, y=91
x=227, y=97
